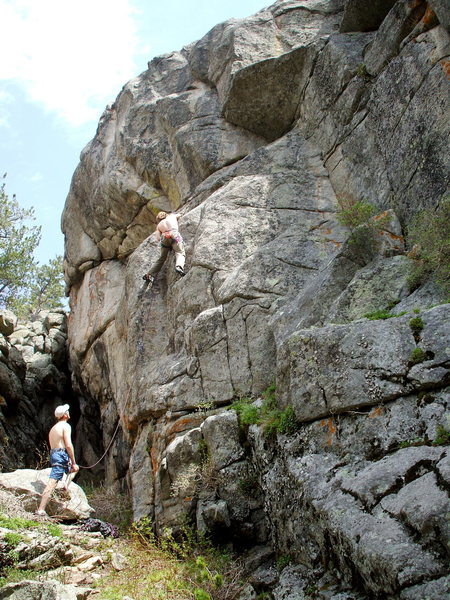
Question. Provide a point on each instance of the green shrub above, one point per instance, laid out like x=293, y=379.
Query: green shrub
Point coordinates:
x=205, y=567
x=416, y=325
x=382, y=314
x=429, y=237
x=358, y=216
x=275, y=421
x=442, y=436
x=240, y=404
x=442, y=439
x=271, y=419
x=288, y=422
x=249, y=415
x=417, y=356
x=354, y=213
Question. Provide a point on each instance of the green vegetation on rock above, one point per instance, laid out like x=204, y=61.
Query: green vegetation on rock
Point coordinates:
x=417, y=356
x=379, y=314
x=268, y=415
x=429, y=239
x=416, y=325
x=17, y=522
x=13, y=539
x=358, y=216
x=248, y=413
x=442, y=436
x=354, y=213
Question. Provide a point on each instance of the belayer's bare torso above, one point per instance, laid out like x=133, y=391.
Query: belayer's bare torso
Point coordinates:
x=59, y=435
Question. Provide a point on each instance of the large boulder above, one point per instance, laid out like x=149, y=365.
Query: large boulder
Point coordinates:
x=29, y=484
x=8, y=322
x=43, y=590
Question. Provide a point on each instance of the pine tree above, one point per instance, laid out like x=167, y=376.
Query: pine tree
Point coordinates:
x=25, y=286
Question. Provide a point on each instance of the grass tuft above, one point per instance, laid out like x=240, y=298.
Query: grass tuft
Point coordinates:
x=268, y=416
x=429, y=240
x=417, y=356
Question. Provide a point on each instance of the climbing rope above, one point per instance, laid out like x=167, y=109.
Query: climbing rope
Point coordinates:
x=112, y=439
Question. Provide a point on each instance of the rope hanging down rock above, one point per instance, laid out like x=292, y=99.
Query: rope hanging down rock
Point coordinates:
x=112, y=439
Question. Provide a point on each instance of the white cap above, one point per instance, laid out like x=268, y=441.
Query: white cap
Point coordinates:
x=61, y=410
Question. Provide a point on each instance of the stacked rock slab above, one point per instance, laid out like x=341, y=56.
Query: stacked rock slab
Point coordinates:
x=253, y=134
x=33, y=381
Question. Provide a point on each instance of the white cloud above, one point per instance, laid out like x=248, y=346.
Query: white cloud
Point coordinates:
x=36, y=177
x=6, y=97
x=72, y=57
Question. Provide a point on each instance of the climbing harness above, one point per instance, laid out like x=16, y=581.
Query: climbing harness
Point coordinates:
x=168, y=238
x=167, y=235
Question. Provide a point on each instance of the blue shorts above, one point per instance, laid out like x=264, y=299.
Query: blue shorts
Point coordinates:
x=60, y=463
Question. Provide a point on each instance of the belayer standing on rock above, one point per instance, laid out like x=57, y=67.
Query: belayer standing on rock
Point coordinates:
x=62, y=458
x=170, y=238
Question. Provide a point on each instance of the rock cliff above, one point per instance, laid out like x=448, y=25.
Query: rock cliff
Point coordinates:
x=254, y=134
x=34, y=379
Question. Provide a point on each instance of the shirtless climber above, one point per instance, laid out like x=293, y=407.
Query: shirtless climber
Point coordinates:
x=62, y=458
x=169, y=237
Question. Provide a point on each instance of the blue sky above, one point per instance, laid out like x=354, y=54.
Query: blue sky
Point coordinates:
x=61, y=64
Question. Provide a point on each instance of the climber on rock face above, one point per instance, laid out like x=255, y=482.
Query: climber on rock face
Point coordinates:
x=169, y=237
x=62, y=458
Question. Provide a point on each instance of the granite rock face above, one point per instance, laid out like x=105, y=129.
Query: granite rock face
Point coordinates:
x=255, y=134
